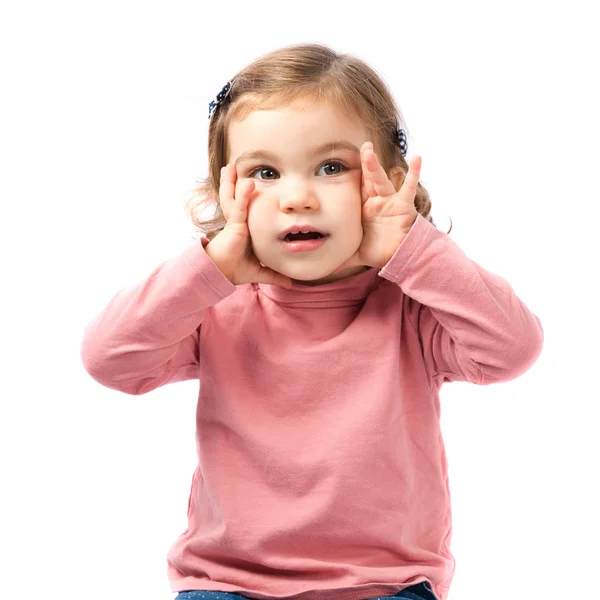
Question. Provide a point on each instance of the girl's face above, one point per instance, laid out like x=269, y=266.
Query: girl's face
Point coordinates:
x=299, y=181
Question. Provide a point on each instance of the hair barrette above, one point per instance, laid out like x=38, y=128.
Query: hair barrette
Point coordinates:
x=220, y=98
x=401, y=140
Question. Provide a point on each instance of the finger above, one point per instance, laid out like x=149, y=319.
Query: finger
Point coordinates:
x=375, y=173
x=362, y=185
x=367, y=181
x=353, y=261
x=412, y=178
x=369, y=190
x=239, y=212
x=364, y=194
x=266, y=275
x=227, y=189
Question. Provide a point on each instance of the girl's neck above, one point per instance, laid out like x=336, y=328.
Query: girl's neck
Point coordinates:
x=333, y=276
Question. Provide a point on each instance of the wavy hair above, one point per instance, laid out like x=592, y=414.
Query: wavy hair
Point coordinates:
x=305, y=73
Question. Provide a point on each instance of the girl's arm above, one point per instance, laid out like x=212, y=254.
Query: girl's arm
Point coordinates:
x=148, y=334
x=472, y=325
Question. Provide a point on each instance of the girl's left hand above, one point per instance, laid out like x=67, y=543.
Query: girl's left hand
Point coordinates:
x=387, y=214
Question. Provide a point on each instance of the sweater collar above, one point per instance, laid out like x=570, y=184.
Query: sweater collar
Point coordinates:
x=349, y=291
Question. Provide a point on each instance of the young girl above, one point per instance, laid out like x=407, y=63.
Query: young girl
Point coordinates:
x=321, y=315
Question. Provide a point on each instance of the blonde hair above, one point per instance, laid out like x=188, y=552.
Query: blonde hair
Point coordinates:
x=309, y=73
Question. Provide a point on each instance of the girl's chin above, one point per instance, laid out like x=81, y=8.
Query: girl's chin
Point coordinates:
x=309, y=279
x=310, y=274
x=306, y=271
x=330, y=277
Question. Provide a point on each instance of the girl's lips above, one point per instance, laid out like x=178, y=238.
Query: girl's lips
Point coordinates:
x=304, y=245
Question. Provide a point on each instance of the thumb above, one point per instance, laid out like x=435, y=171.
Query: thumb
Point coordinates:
x=266, y=275
x=353, y=261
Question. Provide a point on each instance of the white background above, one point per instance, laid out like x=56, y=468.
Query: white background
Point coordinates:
x=103, y=129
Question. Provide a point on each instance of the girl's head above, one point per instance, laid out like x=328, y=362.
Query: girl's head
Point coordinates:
x=289, y=104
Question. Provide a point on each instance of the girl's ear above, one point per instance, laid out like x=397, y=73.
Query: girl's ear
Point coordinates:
x=396, y=176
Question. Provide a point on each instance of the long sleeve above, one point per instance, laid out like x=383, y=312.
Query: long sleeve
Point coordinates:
x=472, y=325
x=320, y=452
x=147, y=336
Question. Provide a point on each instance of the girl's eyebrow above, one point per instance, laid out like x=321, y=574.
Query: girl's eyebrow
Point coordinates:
x=327, y=147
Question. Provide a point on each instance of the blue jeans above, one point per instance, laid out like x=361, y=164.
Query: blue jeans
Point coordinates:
x=420, y=591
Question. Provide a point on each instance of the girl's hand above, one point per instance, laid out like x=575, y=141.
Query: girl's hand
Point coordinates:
x=231, y=249
x=387, y=214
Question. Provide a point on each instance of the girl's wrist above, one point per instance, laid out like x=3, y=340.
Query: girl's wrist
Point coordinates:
x=212, y=251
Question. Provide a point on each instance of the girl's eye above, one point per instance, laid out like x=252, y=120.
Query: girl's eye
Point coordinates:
x=328, y=166
x=333, y=164
x=262, y=170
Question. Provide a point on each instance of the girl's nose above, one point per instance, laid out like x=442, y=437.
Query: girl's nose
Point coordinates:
x=298, y=196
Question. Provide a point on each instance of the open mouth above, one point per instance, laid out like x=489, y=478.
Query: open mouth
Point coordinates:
x=311, y=235
x=304, y=242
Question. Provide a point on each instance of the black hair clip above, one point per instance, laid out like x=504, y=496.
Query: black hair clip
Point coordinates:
x=401, y=139
x=220, y=98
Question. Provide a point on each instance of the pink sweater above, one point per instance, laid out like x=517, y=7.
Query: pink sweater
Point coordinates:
x=321, y=469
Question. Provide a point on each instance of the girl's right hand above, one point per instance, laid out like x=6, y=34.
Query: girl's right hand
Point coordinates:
x=231, y=249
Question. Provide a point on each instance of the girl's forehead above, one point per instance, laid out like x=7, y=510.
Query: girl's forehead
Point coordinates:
x=307, y=107
x=303, y=124
x=320, y=117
